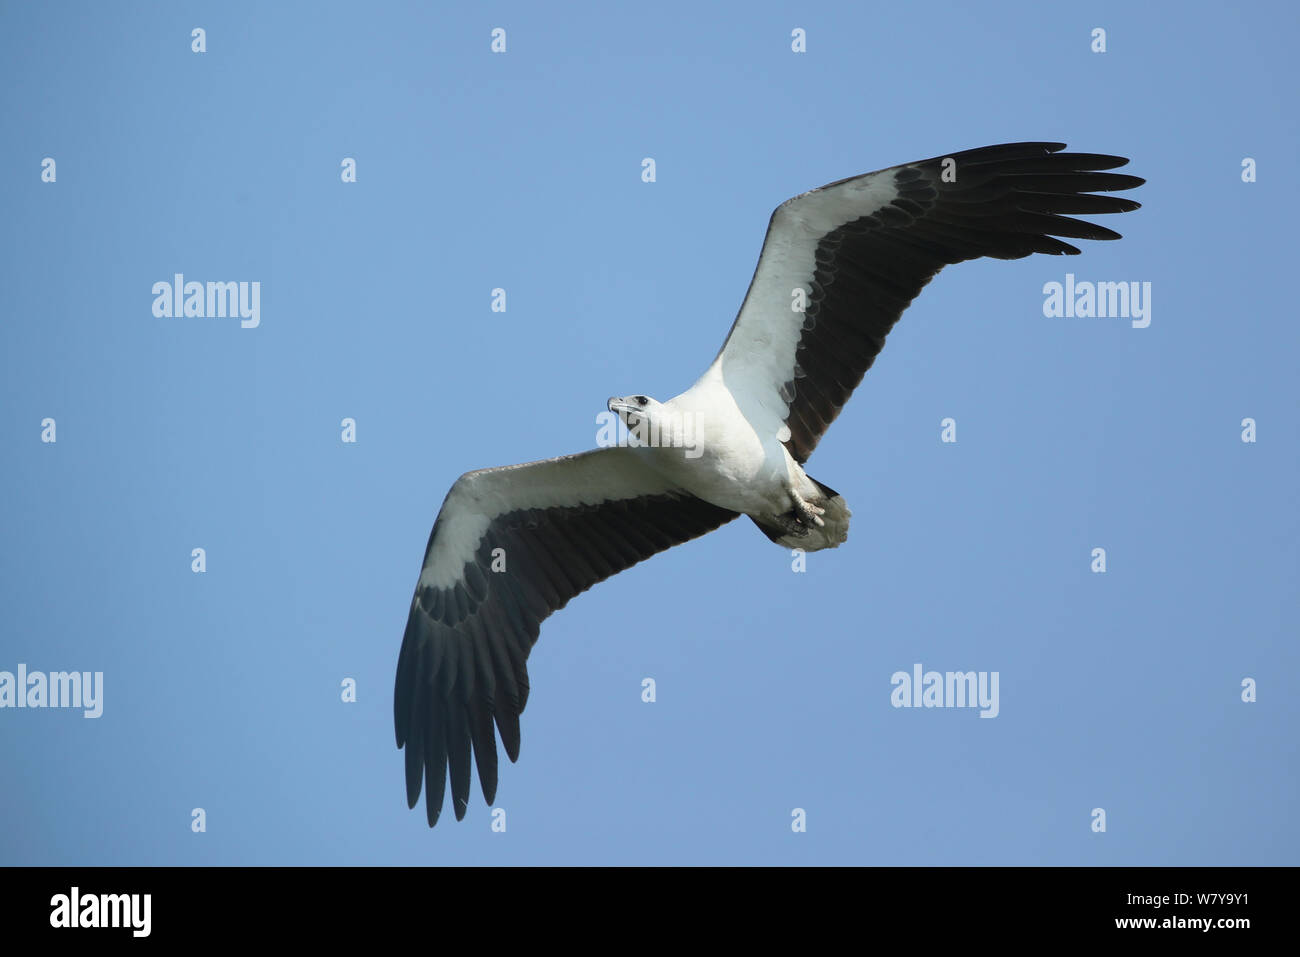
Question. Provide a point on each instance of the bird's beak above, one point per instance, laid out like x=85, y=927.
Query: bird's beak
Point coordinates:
x=629, y=412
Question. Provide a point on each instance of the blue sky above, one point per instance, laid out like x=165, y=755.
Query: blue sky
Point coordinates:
x=522, y=171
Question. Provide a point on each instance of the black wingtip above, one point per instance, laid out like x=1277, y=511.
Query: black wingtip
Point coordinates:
x=414, y=776
x=1110, y=182
x=508, y=726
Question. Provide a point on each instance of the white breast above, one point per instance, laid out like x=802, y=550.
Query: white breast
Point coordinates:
x=733, y=466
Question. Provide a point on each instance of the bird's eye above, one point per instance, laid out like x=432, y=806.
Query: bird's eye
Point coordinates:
x=642, y=400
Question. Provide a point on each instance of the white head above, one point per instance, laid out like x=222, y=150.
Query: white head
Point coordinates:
x=634, y=409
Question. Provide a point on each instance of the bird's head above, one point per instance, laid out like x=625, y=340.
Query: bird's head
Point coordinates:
x=634, y=409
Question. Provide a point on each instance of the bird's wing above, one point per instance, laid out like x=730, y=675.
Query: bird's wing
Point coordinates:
x=510, y=546
x=862, y=248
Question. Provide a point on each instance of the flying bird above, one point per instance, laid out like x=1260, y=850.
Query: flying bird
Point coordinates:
x=839, y=266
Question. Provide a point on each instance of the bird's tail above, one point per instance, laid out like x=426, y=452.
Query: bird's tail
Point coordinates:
x=829, y=535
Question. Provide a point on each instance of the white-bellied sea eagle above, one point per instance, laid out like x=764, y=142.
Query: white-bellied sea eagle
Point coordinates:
x=856, y=252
